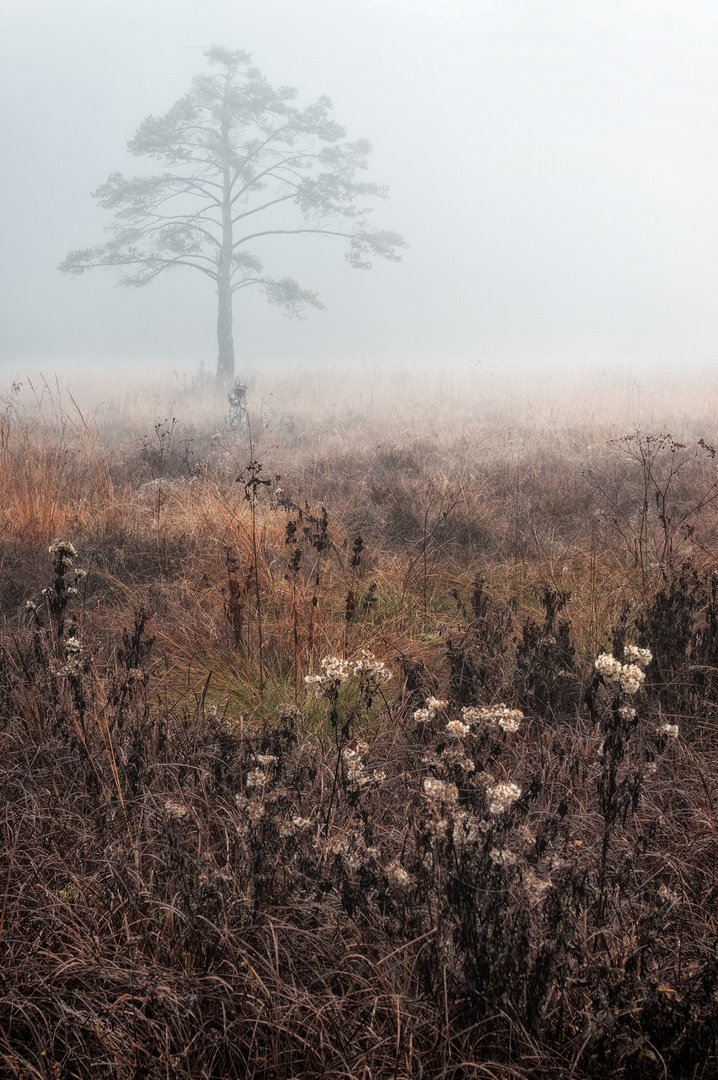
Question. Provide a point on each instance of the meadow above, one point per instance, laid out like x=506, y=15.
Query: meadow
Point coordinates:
x=378, y=739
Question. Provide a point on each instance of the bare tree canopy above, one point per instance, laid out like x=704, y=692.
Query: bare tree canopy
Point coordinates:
x=241, y=163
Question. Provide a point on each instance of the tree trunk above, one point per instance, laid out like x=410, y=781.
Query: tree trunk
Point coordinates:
x=225, y=341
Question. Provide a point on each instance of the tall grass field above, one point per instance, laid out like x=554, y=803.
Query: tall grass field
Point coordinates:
x=375, y=739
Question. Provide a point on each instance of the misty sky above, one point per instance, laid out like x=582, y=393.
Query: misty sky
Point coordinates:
x=553, y=165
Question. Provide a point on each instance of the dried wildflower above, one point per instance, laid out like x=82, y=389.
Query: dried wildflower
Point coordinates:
x=456, y=730
x=668, y=731
x=398, y=876
x=434, y=705
x=608, y=667
x=73, y=646
x=29, y=606
x=467, y=830
x=255, y=812
x=255, y=778
x=510, y=724
x=508, y=719
x=627, y=712
x=422, y=716
x=440, y=791
x=336, y=845
x=438, y=828
x=533, y=883
x=354, y=766
x=640, y=657
x=502, y=796
x=502, y=858
x=62, y=549
x=631, y=678
x=267, y=760
x=301, y=823
x=371, y=672
x=175, y=810
x=454, y=759
x=335, y=671
x=668, y=896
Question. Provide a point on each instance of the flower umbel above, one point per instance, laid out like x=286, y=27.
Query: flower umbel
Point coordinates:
x=640, y=657
x=502, y=796
x=610, y=668
x=631, y=678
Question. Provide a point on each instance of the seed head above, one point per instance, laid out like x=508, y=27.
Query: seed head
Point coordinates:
x=631, y=678
x=456, y=730
x=640, y=657
x=62, y=549
x=610, y=668
x=502, y=796
x=438, y=791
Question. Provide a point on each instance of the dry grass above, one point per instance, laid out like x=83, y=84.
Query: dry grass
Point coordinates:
x=214, y=869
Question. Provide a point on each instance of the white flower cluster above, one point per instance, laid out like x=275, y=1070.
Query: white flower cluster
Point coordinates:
x=175, y=810
x=355, y=769
x=608, y=667
x=432, y=706
x=435, y=705
x=640, y=657
x=354, y=766
x=439, y=791
x=294, y=826
x=73, y=657
x=631, y=678
x=502, y=796
x=334, y=672
x=509, y=720
x=255, y=778
x=669, y=731
x=456, y=730
x=370, y=672
x=64, y=550
x=631, y=675
x=398, y=876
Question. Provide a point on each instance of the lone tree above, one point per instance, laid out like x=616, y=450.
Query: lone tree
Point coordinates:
x=241, y=163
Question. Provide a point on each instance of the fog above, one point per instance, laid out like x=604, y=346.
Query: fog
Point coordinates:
x=552, y=165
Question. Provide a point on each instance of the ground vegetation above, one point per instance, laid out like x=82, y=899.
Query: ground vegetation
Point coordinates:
x=333, y=753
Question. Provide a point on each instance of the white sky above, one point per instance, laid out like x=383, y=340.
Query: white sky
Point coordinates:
x=554, y=166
